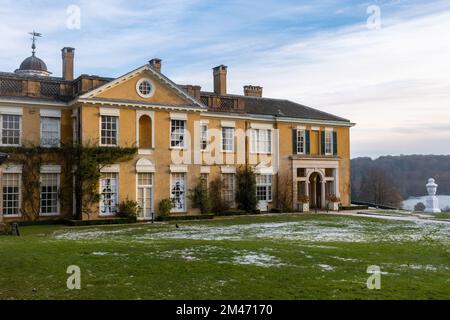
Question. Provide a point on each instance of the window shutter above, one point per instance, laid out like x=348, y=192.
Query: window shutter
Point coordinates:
x=322, y=142
x=294, y=141
x=307, y=142
x=335, y=143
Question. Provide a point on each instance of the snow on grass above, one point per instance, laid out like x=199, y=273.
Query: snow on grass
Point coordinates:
x=257, y=259
x=336, y=230
x=325, y=267
x=222, y=256
x=102, y=253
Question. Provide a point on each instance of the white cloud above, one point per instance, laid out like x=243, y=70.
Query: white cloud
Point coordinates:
x=394, y=82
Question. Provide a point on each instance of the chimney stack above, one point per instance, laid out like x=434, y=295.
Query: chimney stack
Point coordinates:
x=156, y=64
x=68, y=55
x=253, y=91
x=220, y=80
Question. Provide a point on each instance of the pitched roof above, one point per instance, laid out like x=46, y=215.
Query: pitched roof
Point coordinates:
x=286, y=108
x=280, y=108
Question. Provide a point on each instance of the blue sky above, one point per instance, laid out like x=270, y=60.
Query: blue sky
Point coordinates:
x=394, y=82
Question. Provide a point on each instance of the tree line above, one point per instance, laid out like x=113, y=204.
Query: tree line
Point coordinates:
x=388, y=180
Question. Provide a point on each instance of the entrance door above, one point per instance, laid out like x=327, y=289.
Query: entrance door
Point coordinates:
x=315, y=191
x=145, y=195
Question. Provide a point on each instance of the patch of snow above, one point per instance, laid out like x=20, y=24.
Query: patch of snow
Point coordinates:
x=325, y=267
x=100, y=253
x=343, y=229
x=257, y=259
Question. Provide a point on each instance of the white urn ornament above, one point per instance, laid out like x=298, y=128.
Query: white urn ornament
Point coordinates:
x=432, y=201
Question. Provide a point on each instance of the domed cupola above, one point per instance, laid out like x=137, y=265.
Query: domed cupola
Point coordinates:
x=33, y=66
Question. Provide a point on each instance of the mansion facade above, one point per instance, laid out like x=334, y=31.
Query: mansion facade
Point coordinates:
x=181, y=134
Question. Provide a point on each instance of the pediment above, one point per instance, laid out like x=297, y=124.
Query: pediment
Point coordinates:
x=143, y=85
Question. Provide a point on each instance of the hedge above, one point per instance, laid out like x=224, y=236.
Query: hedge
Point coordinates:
x=77, y=223
x=185, y=217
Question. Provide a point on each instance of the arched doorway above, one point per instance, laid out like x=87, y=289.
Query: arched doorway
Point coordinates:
x=315, y=191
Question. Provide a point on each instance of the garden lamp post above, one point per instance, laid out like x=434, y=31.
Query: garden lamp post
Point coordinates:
x=3, y=158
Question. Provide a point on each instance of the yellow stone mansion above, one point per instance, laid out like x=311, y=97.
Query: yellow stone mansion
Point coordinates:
x=181, y=133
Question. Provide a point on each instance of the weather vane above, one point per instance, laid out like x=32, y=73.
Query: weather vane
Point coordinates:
x=34, y=34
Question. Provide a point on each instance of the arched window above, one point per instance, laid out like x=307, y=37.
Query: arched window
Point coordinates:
x=145, y=132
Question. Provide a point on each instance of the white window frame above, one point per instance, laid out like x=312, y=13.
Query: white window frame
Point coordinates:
x=328, y=142
x=75, y=127
x=224, y=139
x=116, y=118
x=144, y=187
x=264, y=181
x=106, y=175
x=180, y=131
x=20, y=129
x=204, y=136
x=226, y=197
x=58, y=185
x=50, y=145
x=301, y=141
x=261, y=141
x=152, y=88
x=19, y=207
x=175, y=177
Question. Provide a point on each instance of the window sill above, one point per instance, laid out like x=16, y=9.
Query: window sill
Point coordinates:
x=49, y=214
x=144, y=151
x=262, y=153
x=107, y=214
x=12, y=216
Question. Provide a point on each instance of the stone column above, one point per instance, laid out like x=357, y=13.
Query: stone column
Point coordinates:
x=432, y=205
x=323, y=196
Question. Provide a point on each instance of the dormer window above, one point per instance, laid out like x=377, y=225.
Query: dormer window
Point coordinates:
x=145, y=88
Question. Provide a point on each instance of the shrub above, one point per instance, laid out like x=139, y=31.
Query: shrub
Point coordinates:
x=112, y=221
x=303, y=199
x=5, y=229
x=333, y=198
x=246, y=189
x=419, y=207
x=128, y=209
x=200, y=197
x=165, y=206
x=218, y=204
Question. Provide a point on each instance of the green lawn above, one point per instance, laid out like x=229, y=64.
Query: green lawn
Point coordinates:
x=258, y=257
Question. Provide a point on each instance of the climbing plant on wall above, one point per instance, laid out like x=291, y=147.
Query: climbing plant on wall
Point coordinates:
x=81, y=167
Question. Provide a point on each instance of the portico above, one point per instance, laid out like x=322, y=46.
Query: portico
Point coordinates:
x=316, y=179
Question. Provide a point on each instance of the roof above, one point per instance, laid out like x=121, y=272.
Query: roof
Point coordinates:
x=33, y=63
x=286, y=108
x=147, y=67
x=281, y=108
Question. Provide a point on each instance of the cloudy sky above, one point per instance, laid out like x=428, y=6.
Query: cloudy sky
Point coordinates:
x=392, y=80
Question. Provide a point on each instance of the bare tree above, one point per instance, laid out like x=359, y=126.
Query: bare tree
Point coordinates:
x=377, y=188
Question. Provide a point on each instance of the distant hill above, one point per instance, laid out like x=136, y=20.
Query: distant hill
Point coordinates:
x=409, y=174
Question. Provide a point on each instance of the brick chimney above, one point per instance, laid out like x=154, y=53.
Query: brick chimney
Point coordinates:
x=156, y=64
x=253, y=91
x=220, y=80
x=68, y=55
